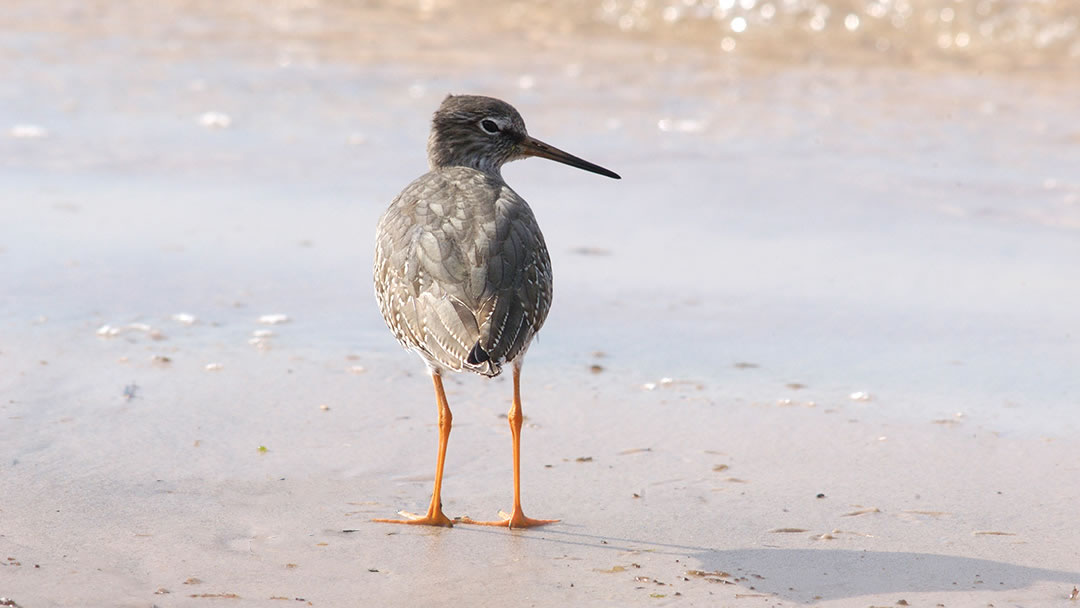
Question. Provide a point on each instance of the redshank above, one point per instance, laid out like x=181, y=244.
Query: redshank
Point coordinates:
x=462, y=274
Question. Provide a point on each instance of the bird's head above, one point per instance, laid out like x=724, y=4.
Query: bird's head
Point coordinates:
x=484, y=133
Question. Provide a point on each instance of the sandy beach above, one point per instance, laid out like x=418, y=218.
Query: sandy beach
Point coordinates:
x=819, y=346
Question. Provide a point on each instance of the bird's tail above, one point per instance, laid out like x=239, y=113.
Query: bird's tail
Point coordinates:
x=481, y=362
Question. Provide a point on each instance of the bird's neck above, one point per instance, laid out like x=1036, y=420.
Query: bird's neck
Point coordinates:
x=441, y=156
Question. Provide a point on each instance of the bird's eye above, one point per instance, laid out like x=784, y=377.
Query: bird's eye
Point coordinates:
x=489, y=126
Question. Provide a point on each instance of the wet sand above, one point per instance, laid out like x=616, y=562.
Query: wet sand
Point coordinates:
x=817, y=347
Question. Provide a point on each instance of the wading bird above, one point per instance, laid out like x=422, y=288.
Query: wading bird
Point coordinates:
x=462, y=274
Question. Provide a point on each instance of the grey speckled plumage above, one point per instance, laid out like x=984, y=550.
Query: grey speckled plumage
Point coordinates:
x=461, y=269
x=462, y=274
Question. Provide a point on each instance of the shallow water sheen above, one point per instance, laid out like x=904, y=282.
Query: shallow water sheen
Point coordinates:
x=983, y=33
x=896, y=231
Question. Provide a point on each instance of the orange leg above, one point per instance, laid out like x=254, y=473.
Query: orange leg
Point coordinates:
x=515, y=519
x=435, y=515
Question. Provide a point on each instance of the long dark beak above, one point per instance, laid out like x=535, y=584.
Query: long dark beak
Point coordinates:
x=534, y=147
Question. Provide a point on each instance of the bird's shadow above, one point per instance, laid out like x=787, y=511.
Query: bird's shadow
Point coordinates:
x=810, y=575
x=814, y=575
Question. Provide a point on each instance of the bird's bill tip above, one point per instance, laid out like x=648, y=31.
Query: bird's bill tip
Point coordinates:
x=534, y=147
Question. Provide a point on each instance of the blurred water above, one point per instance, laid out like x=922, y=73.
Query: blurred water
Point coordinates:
x=983, y=34
x=1002, y=33
x=964, y=34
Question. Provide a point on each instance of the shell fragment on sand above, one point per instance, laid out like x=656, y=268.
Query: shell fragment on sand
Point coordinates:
x=28, y=131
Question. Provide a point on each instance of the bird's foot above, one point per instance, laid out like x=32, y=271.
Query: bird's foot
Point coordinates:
x=515, y=520
x=433, y=518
